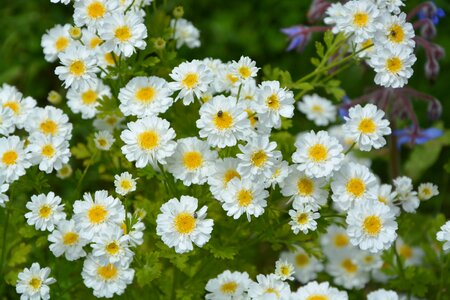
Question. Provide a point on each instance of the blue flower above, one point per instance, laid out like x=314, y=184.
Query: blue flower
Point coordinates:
x=416, y=135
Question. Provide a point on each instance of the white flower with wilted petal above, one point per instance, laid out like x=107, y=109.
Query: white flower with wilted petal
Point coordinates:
x=405, y=194
x=185, y=33
x=306, y=266
x=45, y=211
x=33, y=283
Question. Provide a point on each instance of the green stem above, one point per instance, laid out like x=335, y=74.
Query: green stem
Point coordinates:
x=5, y=232
x=350, y=148
x=239, y=92
x=80, y=181
x=399, y=263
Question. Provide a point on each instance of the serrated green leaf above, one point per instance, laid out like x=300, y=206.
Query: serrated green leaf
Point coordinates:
x=320, y=49
x=19, y=254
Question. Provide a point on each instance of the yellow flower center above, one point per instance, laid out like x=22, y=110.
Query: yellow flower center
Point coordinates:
x=372, y=225
x=48, y=151
x=229, y=175
x=146, y=94
x=252, y=117
x=368, y=259
x=35, y=283
x=360, y=19
x=349, y=266
x=229, y=288
x=302, y=218
x=9, y=157
x=318, y=153
x=111, y=121
x=317, y=297
x=301, y=260
x=382, y=199
x=285, y=270
x=317, y=108
x=305, y=186
x=259, y=158
x=109, y=58
x=223, y=120
x=148, y=140
x=394, y=65
x=14, y=105
x=184, y=223
x=192, y=160
x=190, y=80
x=356, y=187
x=340, y=240
x=45, y=211
x=124, y=228
x=49, y=127
x=245, y=198
x=396, y=34
x=97, y=214
x=70, y=238
x=426, y=191
x=367, y=126
x=405, y=251
x=233, y=79
x=271, y=290
x=61, y=43
x=122, y=33
x=367, y=44
x=95, y=10
x=244, y=72
x=273, y=102
x=77, y=68
x=108, y=272
x=102, y=142
x=126, y=184
x=112, y=248
x=94, y=42
x=89, y=97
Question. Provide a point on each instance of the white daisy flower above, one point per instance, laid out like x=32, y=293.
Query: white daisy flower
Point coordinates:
x=223, y=122
x=180, y=224
x=275, y=102
x=6, y=120
x=93, y=13
x=245, y=69
x=185, y=33
x=224, y=170
x=427, y=190
x=190, y=79
x=405, y=194
x=66, y=239
x=268, y=287
x=65, y=171
x=393, y=65
x=244, y=196
x=45, y=211
x=335, y=240
x=306, y=266
x=124, y=183
x=96, y=215
x=351, y=184
x=3, y=189
x=360, y=19
x=396, y=31
x=51, y=153
x=318, y=154
x=304, y=189
x=14, y=159
x=336, y=15
x=33, y=283
x=86, y=100
x=371, y=226
x=11, y=98
x=412, y=256
x=392, y=6
x=319, y=291
x=79, y=67
x=387, y=196
x=55, y=41
x=366, y=126
x=90, y=38
x=382, y=294
x=112, y=247
x=136, y=232
x=228, y=286
x=106, y=280
x=49, y=121
x=227, y=80
x=192, y=161
x=108, y=123
x=444, y=236
x=148, y=141
x=280, y=171
x=346, y=269
x=317, y=109
x=145, y=96
x=371, y=261
x=258, y=157
x=104, y=140
x=284, y=270
x=106, y=59
x=303, y=219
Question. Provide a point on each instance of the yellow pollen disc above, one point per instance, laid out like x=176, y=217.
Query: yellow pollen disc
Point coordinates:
x=245, y=198
x=35, y=283
x=372, y=225
x=192, y=160
x=368, y=259
x=48, y=151
x=356, y=187
x=13, y=105
x=45, y=211
x=382, y=199
x=89, y=97
x=148, y=140
x=394, y=65
x=259, y=158
x=233, y=79
x=61, y=43
x=252, y=117
x=49, y=127
x=190, y=80
x=229, y=288
x=302, y=218
x=367, y=44
x=95, y=10
x=284, y=270
x=229, y=175
x=122, y=33
x=317, y=297
x=94, y=42
x=102, y=142
x=184, y=223
x=396, y=34
x=271, y=290
x=9, y=157
x=244, y=72
x=111, y=121
x=367, y=126
x=305, y=186
x=273, y=102
x=317, y=109
x=124, y=228
x=77, y=68
x=405, y=251
x=349, y=266
x=97, y=214
x=301, y=260
x=107, y=272
x=126, y=184
x=360, y=19
x=318, y=153
x=109, y=58
x=224, y=121
x=340, y=240
x=426, y=191
x=112, y=248
x=70, y=238
x=146, y=94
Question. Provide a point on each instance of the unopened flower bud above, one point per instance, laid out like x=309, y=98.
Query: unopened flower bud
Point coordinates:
x=159, y=44
x=178, y=12
x=75, y=32
x=54, y=97
x=434, y=109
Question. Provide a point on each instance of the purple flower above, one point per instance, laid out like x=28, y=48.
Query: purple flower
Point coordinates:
x=417, y=136
x=299, y=37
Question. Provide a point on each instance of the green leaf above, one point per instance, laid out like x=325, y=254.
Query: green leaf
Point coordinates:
x=328, y=38
x=150, y=271
x=19, y=254
x=315, y=61
x=320, y=49
x=151, y=61
x=81, y=151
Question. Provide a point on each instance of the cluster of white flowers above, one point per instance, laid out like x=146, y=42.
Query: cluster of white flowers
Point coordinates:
x=378, y=30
